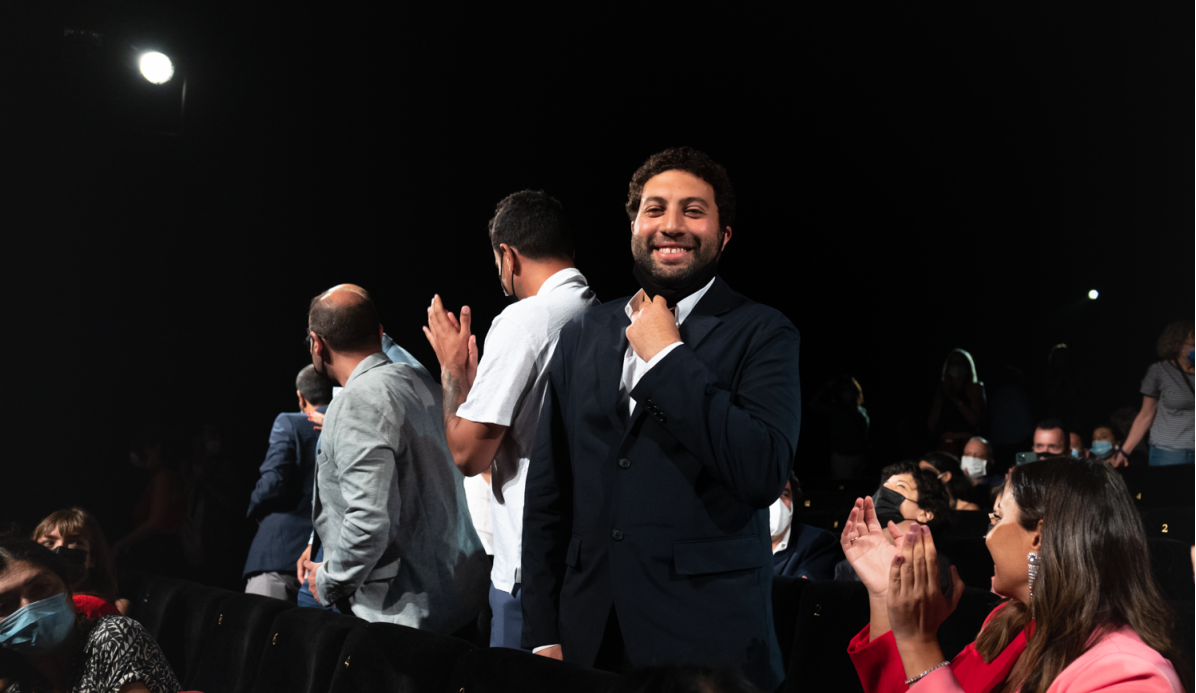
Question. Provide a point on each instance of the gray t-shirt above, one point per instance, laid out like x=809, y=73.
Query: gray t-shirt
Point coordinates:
x=1173, y=422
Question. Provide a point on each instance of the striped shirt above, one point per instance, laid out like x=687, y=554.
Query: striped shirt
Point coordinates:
x=1173, y=427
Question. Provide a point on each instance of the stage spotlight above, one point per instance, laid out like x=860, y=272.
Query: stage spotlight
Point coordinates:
x=156, y=67
x=1093, y=294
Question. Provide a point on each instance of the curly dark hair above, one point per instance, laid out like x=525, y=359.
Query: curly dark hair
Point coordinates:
x=932, y=494
x=1173, y=338
x=533, y=222
x=693, y=162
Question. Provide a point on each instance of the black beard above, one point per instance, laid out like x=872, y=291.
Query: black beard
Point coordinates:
x=676, y=286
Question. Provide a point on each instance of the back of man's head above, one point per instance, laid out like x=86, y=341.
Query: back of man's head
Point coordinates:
x=315, y=388
x=346, y=318
x=532, y=222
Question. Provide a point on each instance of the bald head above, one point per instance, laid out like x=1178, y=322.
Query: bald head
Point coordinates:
x=345, y=317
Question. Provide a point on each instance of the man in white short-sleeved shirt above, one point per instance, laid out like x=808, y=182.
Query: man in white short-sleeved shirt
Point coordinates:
x=491, y=408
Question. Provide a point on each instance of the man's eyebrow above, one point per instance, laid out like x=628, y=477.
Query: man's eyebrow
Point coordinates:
x=684, y=201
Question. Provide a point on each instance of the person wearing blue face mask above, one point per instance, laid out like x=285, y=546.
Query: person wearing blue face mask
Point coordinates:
x=1168, y=403
x=46, y=646
x=1104, y=444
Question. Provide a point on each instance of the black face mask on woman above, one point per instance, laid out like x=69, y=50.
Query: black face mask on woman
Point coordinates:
x=888, y=506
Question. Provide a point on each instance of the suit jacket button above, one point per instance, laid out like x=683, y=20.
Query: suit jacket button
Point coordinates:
x=661, y=418
x=624, y=463
x=617, y=535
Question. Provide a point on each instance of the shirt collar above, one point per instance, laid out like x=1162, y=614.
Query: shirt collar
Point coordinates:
x=366, y=364
x=784, y=543
x=684, y=307
x=569, y=275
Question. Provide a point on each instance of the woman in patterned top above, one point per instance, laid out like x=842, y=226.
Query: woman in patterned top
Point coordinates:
x=46, y=647
x=1167, y=402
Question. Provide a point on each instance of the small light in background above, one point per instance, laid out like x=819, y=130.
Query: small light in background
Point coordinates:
x=156, y=67
x=1093, y=294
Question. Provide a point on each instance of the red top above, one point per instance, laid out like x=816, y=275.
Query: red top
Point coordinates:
x=94, y=607
x=879, y=664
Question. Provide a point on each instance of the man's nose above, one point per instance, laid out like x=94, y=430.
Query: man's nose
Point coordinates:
x=673, y=222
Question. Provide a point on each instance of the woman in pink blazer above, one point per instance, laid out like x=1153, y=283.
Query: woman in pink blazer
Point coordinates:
x=1082, y=611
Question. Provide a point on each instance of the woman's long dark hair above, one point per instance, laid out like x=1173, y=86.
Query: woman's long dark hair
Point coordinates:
x=1094, y=571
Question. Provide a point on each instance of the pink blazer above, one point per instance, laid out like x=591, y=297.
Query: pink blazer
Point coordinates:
x=1119, y=662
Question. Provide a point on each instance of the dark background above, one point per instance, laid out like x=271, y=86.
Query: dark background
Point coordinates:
x=907, y=183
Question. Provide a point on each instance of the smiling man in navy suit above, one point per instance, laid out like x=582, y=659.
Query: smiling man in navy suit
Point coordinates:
x=281, y=501
x=668, y=427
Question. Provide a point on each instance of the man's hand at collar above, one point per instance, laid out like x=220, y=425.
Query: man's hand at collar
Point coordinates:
x=653, y=327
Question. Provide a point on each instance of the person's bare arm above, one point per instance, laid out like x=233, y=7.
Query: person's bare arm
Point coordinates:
x=473, y=444
x=1142, y=423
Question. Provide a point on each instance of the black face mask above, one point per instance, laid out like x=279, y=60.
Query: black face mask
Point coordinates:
x=888, y=506
x=75, y=561
x=674, y=292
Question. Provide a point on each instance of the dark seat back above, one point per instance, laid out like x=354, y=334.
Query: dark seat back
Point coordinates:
x=498, y=669
x=968, y=523
x=1170, y=523
x=970, y=557
x=1159, y=487
x=232, y=651
x=1171, y=563
x=390, y=657
x=829, y=616
x=303, y=649
x=148, y=596
x=178, y=614
x=786, y=603
x=830, y=520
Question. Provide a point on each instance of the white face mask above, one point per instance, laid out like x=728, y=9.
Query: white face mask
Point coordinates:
x=974, y=466
x=779, y=517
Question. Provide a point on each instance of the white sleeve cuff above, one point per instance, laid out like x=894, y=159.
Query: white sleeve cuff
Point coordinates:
x=660, y=355
x=543, y=647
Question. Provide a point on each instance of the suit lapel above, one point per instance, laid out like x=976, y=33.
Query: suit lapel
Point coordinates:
x=610, y=368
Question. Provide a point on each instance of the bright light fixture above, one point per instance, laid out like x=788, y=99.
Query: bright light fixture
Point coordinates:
x=156, y=67
x=1093, y=294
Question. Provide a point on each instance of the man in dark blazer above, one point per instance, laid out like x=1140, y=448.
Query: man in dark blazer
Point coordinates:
x=281, y=501
x=669, y=426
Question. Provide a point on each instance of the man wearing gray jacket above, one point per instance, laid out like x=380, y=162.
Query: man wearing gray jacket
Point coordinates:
x=389, y=505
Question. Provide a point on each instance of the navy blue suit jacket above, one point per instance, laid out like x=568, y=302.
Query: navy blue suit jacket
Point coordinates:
x=663, y=514
x=282, y=497
x=812, y=553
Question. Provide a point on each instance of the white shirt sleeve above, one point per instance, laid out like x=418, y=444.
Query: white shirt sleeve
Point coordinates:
x=507, y=366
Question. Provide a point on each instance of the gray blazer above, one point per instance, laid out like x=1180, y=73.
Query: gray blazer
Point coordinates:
x=389, y=505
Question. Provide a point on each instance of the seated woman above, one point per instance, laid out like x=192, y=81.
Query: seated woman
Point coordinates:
x=46, y=646
x=946, y=467
x=1082, y=611
x=75, y=535
x=908, y=495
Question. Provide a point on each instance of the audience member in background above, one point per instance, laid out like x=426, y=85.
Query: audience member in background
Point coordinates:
x=1011, y=421
x=841, y=401
x=1167, y=402
x=1059, y=398
x=492, y=407
x=281, y=500
x=1105, y=444
x=48, y=646
x=388, y=505
x=154, y=544
x=215, y=532
x=948, y=470
x=1082, y=611
x=908, y=495
x=797, y=549
x=979, y=462
x=959, y=403
x=75, y=535
x=1051, y=437
x=1076, y=443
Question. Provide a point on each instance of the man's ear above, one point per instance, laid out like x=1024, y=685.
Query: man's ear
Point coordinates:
x=302, y=400
x=946, y=477
x=513, y=259
x=726, y=237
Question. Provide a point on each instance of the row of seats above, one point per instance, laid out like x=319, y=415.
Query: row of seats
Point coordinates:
x=224, y=642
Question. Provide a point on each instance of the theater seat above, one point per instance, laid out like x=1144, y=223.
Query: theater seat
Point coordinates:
x=1171, y=562
x=498, y=669
x=389, y=657
x=232, y=651
x=968, y=523
x=971, y=558
x=302, y=651
x=786, y=601
x=1159, y=487
x=830, y=520
x=1170, y=523
x=178, y=614
x=149, y=596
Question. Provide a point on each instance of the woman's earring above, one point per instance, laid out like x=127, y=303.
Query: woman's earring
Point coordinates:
x=1032, y=559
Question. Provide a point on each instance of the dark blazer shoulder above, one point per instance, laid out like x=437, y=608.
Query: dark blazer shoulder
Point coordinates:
x=724, y=302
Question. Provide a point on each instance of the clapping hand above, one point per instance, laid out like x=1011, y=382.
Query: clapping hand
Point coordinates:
x=917, y=605
x=456, y=348
x=866, y=547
